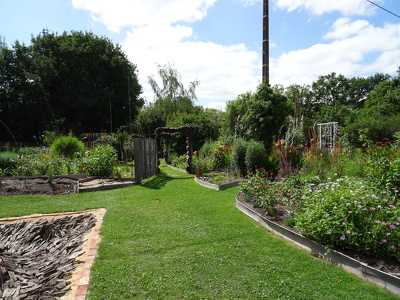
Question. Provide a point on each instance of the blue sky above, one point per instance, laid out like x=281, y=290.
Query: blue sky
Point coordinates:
x=219, y=42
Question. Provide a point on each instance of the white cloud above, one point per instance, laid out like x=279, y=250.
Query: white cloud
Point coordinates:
x=223, y=71
x=344, y=28
x=153, y=37
x=355, y=40
x=216, y=105
x=122, y=13
x=319, y=7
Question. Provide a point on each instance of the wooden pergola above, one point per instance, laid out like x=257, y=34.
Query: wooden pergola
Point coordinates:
x=165, y=133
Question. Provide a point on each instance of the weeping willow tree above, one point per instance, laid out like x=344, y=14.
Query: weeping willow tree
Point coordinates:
x=172, y=96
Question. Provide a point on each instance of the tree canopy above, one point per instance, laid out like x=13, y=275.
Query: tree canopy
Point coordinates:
x=258, y=116
x=75, y=82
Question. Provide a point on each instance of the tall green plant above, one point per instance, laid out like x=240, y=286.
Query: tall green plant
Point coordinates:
x=255, y=156
x=239, y=156
x=101, y=161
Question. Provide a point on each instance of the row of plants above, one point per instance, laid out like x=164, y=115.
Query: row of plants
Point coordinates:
x=343, y=200
x=66, y=155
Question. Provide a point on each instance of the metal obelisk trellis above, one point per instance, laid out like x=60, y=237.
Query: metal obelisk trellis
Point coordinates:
x=327, y=134
x=265, y=56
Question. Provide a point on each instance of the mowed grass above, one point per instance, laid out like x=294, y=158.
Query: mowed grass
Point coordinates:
x=173, y=239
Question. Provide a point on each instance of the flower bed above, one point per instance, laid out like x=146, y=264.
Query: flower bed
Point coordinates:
x=390, y=282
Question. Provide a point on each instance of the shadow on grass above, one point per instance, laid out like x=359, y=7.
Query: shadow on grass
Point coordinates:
x=159, y=181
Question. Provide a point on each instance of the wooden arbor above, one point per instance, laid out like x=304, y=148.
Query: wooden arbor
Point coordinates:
x=165, y=133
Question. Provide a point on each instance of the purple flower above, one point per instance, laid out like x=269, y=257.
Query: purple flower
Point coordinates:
x=343, y=223
x=384, y=241
x=392, y=247
x=388, y=233
x=327, y=215
x=378, y=222
x=342, y=238
x=348, y=231
x=350, y=212
x=329, y=231
x=372, y=208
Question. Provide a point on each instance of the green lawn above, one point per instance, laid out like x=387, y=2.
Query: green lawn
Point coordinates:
x=173, y=239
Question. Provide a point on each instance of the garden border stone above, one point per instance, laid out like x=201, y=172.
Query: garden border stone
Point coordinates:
x=125, y=182
x=216, y=186
x=176, y=168
x=384, y=280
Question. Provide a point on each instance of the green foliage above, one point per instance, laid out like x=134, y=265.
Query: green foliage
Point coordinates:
x=39, y=161
x=257, y=116
x=73, y=81
x=101, y=160
x=348, y=214
x=383, y=165
x=239, y=156
x=123, y=143
x=8, y=160
x=178, y=161
x=67, y=146
x=255, y=156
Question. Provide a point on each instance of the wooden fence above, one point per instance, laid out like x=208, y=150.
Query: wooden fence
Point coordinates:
x=146, y=158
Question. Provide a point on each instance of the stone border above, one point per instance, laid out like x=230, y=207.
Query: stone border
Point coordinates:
x=216, y=186
x=176, y=168
x=383, y=280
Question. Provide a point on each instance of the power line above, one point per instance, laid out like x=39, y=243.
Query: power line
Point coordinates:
x=384, y=9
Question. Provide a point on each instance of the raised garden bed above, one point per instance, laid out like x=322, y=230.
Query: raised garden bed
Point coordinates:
x=214, y=186
x=387, y=281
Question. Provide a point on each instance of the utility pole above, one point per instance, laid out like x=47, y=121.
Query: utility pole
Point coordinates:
x=265, y=58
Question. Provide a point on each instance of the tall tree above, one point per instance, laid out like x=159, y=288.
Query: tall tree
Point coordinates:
x=257, y=116
x=75, y=81
x=172, y=96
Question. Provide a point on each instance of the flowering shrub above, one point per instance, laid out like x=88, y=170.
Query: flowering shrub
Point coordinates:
x=348, y=214
x=222, y=155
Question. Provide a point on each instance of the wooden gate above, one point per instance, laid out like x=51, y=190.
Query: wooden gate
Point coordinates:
x=146, y=158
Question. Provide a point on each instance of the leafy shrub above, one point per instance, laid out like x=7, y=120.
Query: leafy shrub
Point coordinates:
x=239, y=156
x=382, y=164
x=178, y=161
x=255, y=156
x=8, y=160
x=101, y=161
x=67, y=146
